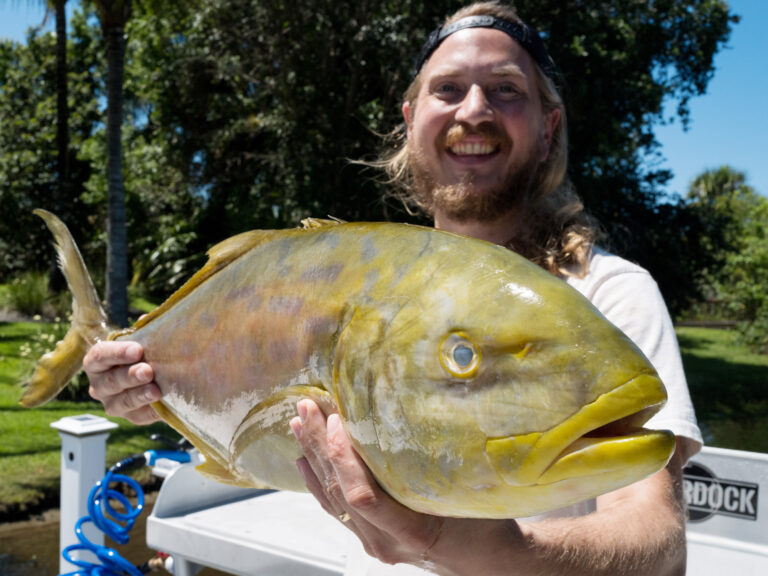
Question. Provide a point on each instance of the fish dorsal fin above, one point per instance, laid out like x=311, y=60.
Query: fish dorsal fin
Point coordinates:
x=310, y=223
x=219, y=256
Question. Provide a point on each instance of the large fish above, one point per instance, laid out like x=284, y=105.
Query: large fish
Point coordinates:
x=471, y=382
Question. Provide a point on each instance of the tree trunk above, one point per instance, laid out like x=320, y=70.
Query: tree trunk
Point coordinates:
x=61, y=200
x=62, y=109
x=117, y=246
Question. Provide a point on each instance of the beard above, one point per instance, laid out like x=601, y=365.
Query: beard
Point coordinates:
x=462, y=201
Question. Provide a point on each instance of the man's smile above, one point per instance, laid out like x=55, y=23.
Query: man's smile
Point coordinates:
x=473, y=147
x=480, y=143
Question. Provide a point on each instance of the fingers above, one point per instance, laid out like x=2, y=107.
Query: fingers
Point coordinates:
x=106, y=355
x=356, y=483
x=368, y=500
x=131, y=402
x=318, y=472
x=121, y=382
x=141, y=416
x=339, y=479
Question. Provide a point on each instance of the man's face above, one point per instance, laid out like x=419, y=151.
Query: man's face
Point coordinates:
x=477, y=134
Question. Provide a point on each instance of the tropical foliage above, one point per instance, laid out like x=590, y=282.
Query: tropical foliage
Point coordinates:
x=737, y=230
x=239, y=114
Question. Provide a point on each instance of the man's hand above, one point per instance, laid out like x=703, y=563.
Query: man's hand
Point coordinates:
x=344, y=486
x=121, y=382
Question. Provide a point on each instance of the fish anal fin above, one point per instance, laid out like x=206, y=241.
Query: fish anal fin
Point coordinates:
x=221, y=255
x=215, y=465
x=264, y=448
x=215, y=471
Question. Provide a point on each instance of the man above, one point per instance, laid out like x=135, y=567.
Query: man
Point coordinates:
x=484, y=155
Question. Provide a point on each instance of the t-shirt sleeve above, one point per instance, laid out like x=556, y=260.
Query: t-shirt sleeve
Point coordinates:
x=632, y=301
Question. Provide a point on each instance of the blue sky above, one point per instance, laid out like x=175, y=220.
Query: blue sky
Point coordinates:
x=729, y=124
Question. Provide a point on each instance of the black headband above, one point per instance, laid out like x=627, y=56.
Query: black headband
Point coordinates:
x=524, y=34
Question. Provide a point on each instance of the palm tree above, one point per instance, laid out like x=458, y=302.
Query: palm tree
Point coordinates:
x=114, y=15
x=58, y=7
x=62, y=109
x=61, y=194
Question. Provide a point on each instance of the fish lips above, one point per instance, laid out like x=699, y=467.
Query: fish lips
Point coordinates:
x=603, y=436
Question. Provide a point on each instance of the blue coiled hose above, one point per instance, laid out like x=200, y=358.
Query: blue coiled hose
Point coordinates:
x=114, y=524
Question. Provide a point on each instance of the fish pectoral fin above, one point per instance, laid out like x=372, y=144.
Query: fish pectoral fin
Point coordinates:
x=310, y=223
x=263, y=447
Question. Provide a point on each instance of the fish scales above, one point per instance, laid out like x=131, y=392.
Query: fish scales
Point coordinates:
x=470, y=381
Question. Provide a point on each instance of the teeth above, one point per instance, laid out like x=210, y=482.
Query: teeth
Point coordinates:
x=472, y=148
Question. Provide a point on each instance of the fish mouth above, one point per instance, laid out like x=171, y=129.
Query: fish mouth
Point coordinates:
x=601, y=437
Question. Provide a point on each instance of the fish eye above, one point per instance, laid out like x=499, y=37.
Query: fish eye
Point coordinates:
x=459, y=355
x=463, y=355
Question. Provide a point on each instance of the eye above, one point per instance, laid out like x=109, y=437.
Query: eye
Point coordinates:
x=446, y=90
x=507, y=91
x=459, y=355
x=463, y=355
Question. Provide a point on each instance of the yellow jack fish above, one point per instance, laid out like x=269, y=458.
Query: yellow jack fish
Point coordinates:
x=471, y=382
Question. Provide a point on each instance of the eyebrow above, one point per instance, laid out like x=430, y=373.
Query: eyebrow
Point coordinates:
x=501, y=70
x=508, y=70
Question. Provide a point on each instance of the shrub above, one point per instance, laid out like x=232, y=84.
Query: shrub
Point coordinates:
x=28, y=293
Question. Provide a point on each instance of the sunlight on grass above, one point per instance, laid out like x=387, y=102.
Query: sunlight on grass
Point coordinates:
x=30, y=451
x=729, y=387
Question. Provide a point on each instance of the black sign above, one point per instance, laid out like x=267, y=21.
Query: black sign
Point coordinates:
x=705, y=494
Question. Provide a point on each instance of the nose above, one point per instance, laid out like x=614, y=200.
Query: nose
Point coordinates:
x=475, y=108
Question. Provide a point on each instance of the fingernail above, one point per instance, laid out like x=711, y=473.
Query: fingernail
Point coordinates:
x=133, y=351
x=301, y=408
x=295, y=425
x=333, y=424
x=151, y=393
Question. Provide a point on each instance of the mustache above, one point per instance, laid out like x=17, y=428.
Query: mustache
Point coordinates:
x=488, y=131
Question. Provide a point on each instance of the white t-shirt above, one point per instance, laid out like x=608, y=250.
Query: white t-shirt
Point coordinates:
x=629, y=297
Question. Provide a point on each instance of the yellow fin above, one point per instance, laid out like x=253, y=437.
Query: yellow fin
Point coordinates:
x=310, y=223
x=89, y=321
x=54, y=370
x=215, y=471
x=263, y=446
x=221, y=255
x=213, y=467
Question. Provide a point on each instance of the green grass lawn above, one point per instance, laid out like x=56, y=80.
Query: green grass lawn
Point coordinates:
x=729, y=387
x=29, y=447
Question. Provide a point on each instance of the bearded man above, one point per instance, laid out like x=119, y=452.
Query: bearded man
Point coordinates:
x=484, y=154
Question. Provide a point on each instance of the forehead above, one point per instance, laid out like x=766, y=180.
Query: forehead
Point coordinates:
x=477, y=50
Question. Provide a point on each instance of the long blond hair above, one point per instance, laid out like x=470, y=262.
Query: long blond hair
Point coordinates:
x=560, y=234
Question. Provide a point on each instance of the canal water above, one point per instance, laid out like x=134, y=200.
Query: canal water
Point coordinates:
x=31, y=548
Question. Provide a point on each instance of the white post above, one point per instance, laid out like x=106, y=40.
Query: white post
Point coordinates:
x=83, y=454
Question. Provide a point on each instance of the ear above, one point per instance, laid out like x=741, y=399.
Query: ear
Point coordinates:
x=408, y=116
x=549, y=125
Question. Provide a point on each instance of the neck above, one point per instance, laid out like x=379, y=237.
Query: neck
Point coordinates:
x=499, y=231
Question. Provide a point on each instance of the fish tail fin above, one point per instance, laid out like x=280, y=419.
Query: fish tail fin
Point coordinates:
x=89, y=322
